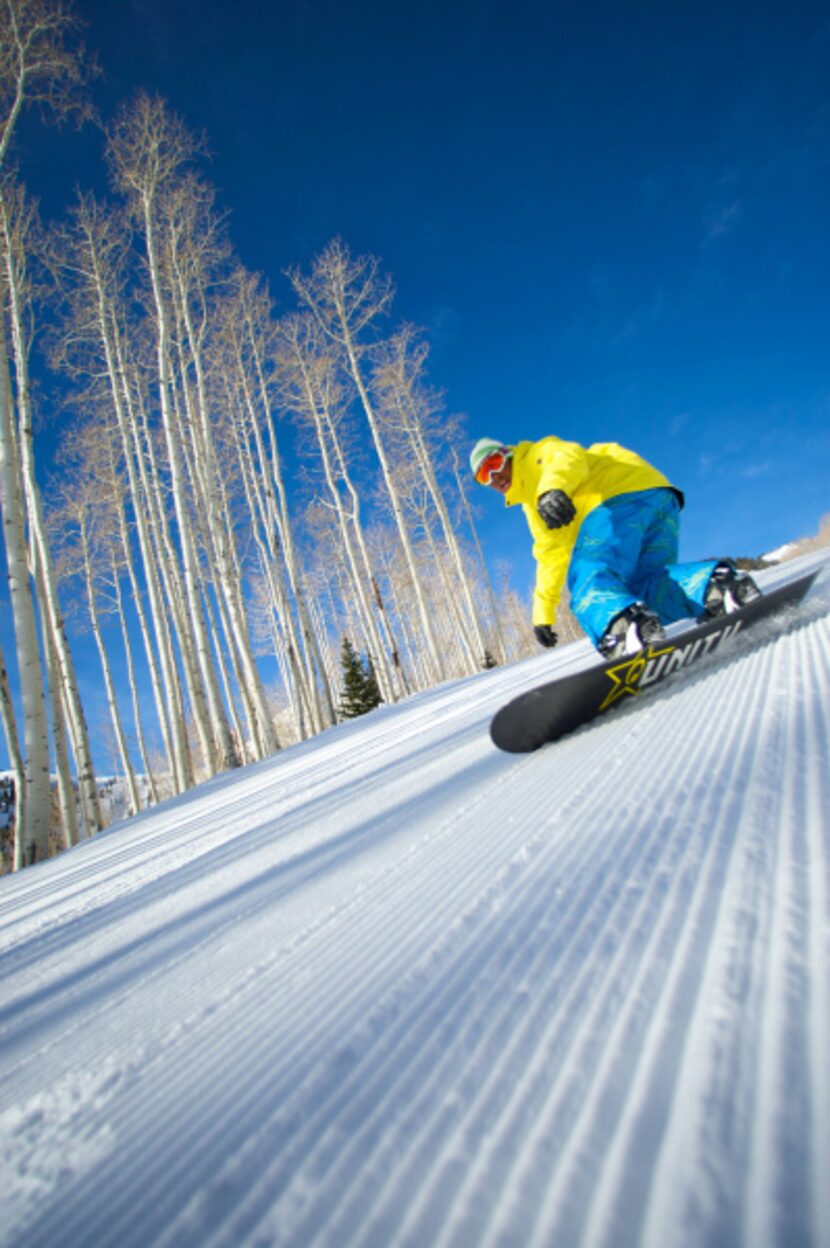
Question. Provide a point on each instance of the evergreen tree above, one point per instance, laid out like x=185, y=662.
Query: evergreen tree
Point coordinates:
x=360, y=686
x=489, y=661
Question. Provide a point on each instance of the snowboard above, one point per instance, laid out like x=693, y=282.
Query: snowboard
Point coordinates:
x=556, y=708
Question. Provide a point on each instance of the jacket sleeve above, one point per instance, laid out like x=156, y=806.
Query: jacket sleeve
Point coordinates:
x=552, y=554
x=564, y=466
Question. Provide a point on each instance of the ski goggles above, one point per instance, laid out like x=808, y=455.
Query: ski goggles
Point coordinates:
x=491, y=465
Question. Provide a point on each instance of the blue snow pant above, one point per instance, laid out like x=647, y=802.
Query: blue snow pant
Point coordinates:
x=626, y=552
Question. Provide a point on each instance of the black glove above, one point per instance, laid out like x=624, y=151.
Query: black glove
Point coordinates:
x=545, y=635
x=556, y=509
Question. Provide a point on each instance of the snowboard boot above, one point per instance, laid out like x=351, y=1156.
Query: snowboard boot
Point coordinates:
x=728, y=590
x=632, y=630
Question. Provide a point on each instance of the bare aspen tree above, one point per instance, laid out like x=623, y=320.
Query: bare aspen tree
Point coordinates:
x=319, y=619
x=68, y=831
x=132, y=678
x=16, y=230
x=52, y=670
x=483, y=571
x=400, y=684
x=347, y=296
x=411, y=413
x=33, y=795
x=312, y=392
x=322, y=698
x=443, y=596
x=38, y=64
x=84, y=517
x=391, y=576
x=519, y=640
x=91, y=255
x=250, y=334
x=260, y=506
x=148, y=148
x=159, y=564
x=335, y=607
x=194, y=250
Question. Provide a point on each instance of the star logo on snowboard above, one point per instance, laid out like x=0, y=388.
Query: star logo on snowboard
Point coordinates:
x=626, y=677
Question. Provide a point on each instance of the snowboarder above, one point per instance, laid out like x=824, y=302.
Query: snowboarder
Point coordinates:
x=608, y=521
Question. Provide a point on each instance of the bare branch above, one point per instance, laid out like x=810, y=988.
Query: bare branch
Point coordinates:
x=40, y=65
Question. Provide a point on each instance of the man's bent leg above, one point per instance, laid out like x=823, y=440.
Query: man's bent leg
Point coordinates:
x=673, y=590
x=605, y=558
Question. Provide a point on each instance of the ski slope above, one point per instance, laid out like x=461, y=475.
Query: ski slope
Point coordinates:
x=394, y=988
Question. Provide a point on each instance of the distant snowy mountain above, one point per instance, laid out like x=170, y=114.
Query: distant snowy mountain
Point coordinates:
x=781, y=553
x=394, y=988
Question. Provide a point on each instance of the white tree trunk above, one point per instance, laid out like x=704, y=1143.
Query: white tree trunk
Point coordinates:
x=109, y=685
x=410, y=411
x=164, y=674
x=67, y=792
x=150, y=779
x=207, y=695
x=437, y=666
x=308, y=379
x=316, y=686
x=34, y=796
x=495, y=614
x=220, y=535
x=342, y=297
x=45, y=579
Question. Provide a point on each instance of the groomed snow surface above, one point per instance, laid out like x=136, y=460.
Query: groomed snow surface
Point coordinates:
x=392, y=987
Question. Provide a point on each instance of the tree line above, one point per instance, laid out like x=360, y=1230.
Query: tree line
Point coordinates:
x=176, y=532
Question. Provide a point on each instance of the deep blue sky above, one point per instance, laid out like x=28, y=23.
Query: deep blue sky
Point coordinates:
x=613, y=218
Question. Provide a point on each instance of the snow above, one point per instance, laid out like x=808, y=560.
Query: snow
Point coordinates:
x=394, y=988
x=780, y=553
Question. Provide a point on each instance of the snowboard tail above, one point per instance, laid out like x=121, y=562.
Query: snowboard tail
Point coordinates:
x=550, y=711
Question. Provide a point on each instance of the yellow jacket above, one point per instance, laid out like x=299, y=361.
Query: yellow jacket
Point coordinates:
x=589, y=476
